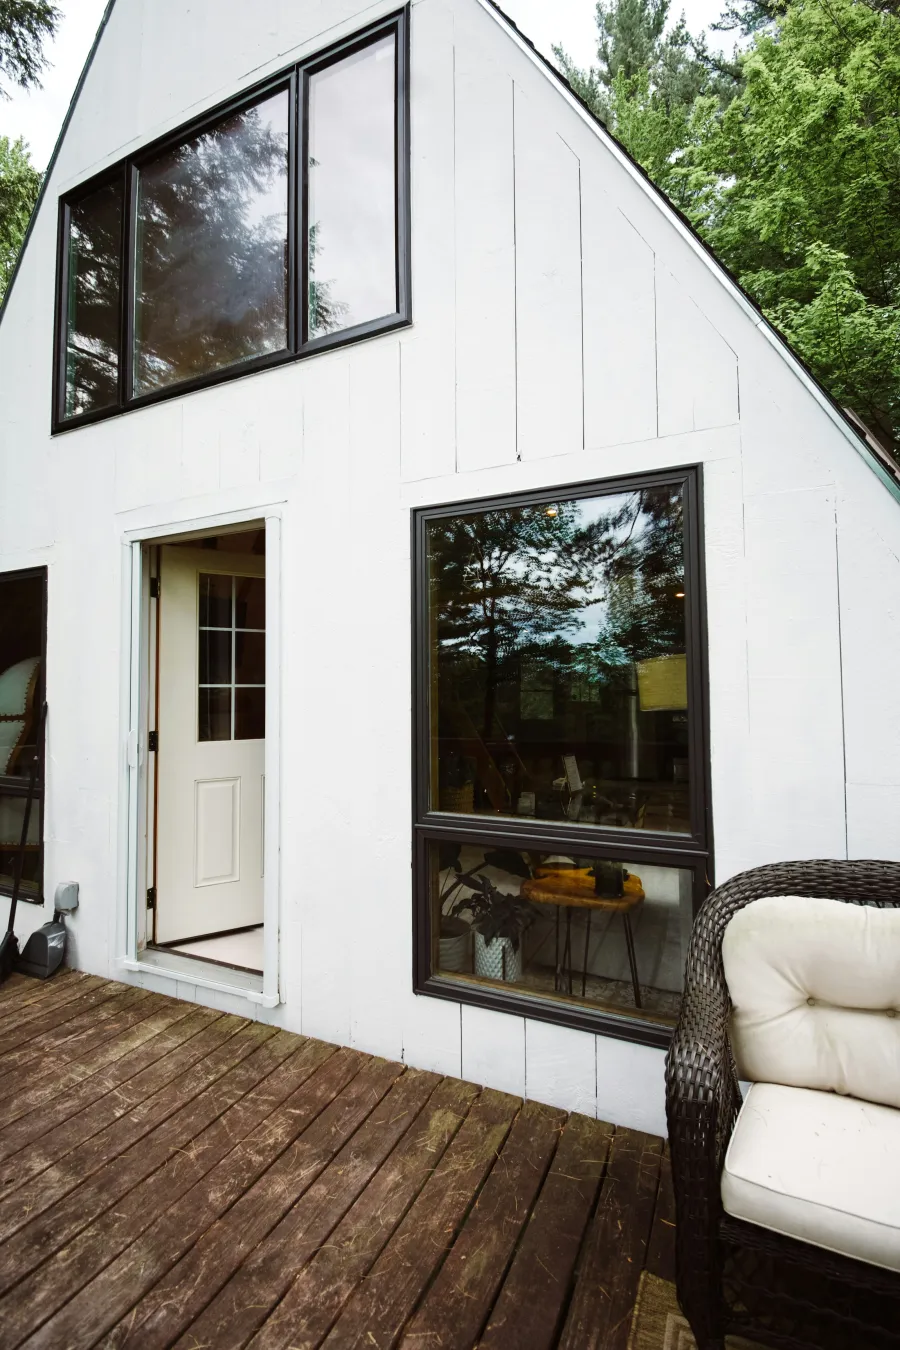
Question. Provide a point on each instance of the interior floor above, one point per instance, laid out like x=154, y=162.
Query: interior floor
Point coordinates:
x=243, y=951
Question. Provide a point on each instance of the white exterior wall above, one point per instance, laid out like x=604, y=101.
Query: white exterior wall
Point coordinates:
x=565, y=329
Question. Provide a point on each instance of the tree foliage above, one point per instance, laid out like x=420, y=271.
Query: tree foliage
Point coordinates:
x=786, y=158
x=25, y=25
x=19, y=186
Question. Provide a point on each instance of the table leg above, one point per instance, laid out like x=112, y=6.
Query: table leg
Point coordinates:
x=568, y=951
x=632, y=961
x=556, y=966
x=587, y=947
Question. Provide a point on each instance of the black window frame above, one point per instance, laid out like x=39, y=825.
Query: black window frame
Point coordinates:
x=16, y=784
x=295, y=79
x=692, y=852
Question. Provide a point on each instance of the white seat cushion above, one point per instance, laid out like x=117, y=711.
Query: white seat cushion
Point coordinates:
x=815, y=991
x=818, y=1167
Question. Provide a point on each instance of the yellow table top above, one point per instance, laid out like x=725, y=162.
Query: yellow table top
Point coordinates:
x=575, y=887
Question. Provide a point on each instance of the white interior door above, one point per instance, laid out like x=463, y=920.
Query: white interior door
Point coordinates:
x=211, y=753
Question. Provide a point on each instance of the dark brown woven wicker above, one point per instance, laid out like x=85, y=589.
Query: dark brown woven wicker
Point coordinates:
x=733, y=1277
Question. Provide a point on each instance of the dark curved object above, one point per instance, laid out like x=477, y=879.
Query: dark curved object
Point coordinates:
x=736, y=1278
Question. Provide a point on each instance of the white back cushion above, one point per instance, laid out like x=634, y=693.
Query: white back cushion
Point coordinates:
x=815, y=986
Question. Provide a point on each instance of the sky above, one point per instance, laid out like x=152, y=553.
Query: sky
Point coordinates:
x=38, y=115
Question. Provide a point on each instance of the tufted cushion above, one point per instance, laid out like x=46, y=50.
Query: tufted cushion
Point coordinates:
x=820, y=1168
x=815, y=988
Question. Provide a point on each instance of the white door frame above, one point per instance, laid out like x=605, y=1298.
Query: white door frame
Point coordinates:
x=133, y=841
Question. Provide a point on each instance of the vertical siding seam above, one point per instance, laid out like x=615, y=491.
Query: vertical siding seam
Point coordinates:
x=837, y=573
x=515, y=275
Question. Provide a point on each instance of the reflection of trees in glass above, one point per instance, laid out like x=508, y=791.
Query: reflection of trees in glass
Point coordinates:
x=326, y=315
x=92, y=339
x=541, y=596
x=212, y=249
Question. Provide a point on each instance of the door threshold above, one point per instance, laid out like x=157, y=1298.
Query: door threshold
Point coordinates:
x=196, y=970
x=207, y=960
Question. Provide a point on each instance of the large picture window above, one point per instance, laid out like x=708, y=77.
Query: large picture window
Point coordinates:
x=561, y=809
x=268, y=229
x=22, y=643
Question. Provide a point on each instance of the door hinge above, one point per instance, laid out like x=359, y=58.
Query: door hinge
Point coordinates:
x=151, y=898
x=153, y=742
x=154, y=588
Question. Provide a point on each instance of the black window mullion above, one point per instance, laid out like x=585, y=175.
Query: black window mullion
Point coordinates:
x=302, y=288
x=295, y=211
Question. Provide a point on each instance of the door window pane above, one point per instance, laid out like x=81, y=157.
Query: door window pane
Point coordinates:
x=215, y=656
x=92, y=304
x=232, y=659
x=352, y=250
x=211, y=263
x=558, y=662
x=249, y=714
x=215, y=601
x=215, y=714
x=21, y=698
x=249, y=658
x=580, y=930
x=250, y=602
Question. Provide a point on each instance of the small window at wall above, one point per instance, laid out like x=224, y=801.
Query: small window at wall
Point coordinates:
x=92, y=268
x=211, y=249
x=561, y=768
x=22, y=629
x=352, y=202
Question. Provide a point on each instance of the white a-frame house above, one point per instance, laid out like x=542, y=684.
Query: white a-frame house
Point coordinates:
x=437, y=573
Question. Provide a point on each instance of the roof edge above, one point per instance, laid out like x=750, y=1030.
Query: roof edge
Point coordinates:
x=848, y=424
x=55, y=155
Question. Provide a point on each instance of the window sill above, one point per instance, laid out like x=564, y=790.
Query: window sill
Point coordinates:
x=617, y=1026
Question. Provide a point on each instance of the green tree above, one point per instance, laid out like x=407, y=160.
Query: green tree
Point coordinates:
x=807, y=212
x=19, y=186
x=25, y=25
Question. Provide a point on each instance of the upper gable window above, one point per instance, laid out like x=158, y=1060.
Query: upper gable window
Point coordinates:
x=260, y=233
x=352, y=231
x=211, y=251
x=93, y=300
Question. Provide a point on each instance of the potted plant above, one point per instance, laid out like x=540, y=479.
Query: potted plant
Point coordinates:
x=498, y=918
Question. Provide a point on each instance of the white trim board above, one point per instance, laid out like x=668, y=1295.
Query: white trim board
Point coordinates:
x=134, y=683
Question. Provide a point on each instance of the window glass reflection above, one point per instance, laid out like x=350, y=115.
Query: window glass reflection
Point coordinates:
x=587, y=931
x=352, y=204
x=558, y=662
x=92, y=304
x=21, y=697
x=211, y=260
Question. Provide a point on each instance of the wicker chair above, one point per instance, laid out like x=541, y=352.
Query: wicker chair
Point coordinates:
x=735, y=1277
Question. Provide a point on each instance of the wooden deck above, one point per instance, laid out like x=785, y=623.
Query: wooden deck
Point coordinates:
x=173, y=1176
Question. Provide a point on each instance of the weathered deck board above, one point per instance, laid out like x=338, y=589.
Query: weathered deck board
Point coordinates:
x=175, y=1177
x=532, y=1302
x=615, y=1250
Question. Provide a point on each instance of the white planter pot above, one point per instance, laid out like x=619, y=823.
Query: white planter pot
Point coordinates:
x=498, y=960
x=455, y=945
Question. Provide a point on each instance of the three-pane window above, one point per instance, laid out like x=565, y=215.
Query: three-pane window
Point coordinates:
x=268, y=230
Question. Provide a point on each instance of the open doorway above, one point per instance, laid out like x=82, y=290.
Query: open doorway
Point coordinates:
x=207, y=726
